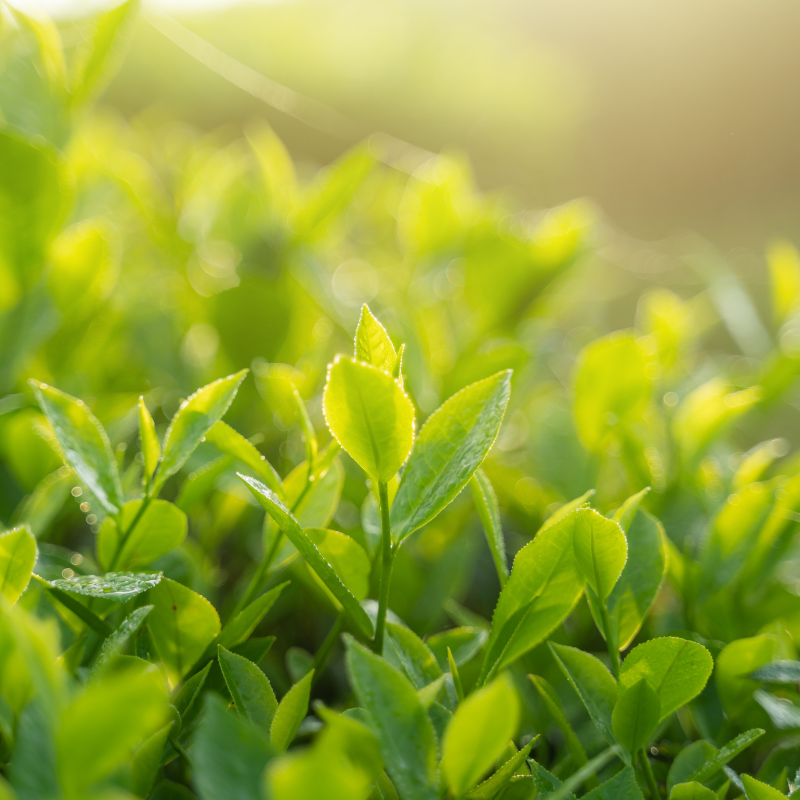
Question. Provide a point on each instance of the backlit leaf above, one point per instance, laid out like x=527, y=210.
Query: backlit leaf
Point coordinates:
x=600, y=550
x=151, y=449
x=17, y=557
x=485, y=500
x=373, y=344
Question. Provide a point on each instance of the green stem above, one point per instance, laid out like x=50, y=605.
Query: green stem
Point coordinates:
x=321, y=656
x=387, y=562
x=648, y=774
x=613, y=652
x=173, y=740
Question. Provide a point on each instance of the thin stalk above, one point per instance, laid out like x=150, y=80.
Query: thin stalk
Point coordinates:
x=648, y=774
x=173, y=740
x=324, y=651
x=387, y=562
x=613, y=652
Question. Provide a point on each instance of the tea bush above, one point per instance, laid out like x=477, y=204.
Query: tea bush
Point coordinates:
x=479, y=543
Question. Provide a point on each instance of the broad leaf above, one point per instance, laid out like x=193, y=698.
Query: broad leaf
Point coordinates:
x=692, y=791
x=676, y=669
x=451, y=445
x=289, y=525
x=83, y=442
x=636, y=716
x=372, y=344
x=478, y=733
x=182, y=624
x=600, y=550
x=17, y=557
x=593, y=682
x=756, y=790
x=249, y=688
x=492, y=786
x=291, y=711
x=370, y=416
x=396, y=715
x=489, y=511
x=116, y=586
x=151, y=449
x=622, y=786
x=544, y=585
x=193, y=420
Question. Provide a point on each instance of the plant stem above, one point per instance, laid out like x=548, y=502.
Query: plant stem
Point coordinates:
x=613, y=652
x=387, y=562
x=321, y=656
x=648, y=773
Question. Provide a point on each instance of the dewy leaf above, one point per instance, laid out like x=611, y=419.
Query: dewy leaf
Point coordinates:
x=451, y=445
x=370, y=416
x=732, y=749
x=396, y=715
x=250, y=689
x=151, y=449
x=544, y=585
x=636, y=716
x=622, y=786
x=756, y=790
x=229, y=755
x=478, y=733
x=373, y=344
x=308, y=550
x=600, y=550
x=676, y=669
x=182, y=624
x=193, y=420
x=290, y=712
x=232, y=443
x=593, y=682
x=83, y=442
x=492, y=786
x=485, y=500
x=692, y=791
x=17, y=557
x=117, y=586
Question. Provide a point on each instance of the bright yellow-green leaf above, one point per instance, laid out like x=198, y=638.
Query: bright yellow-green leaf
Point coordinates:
x=668, y=320
x=151, y=449
x=346, y=556
x=735, y=663
x=478, y=733
x=290, y=713
x=692, y=791
x=17, y=557
x=485, y=500
x=370, y=416
x=600, y=550
x=756, y=790
x=784, y=269
x=373, y=344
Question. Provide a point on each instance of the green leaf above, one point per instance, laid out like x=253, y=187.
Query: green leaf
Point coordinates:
x=316, y=507
x=102, y=724
x=151, y=449
x=593, y=682
x=489, y=511
x=99, y=54
x=184, y=697
x=760, y=791
x=83, y=442
x=465, y=643
x=118, y=587
x=373, y=345
x=346, y=556
x=193, y=420
x=291, y=711
x=544, y=585
x=734, y=664
x=161, y=528
x=120, y=637
x=783, y=671
x=626, y=513
x=451, y=445
x=783, y=715
x=689, y=761
x=232, y=443
x=17, y=557
x=407, y=653
x=478, y=733
x=692, y=791
x=146, y=761
x=636, y=715
x=459, y=689
x=238, y=629
x=545, y=784
x=567, y=509
x=83, y=612
x=250, y=689
x=182, y=624
x=553, y=705
x=718, y=760
x=587, y=771
x=676, y=669
x=622, y=786
x=228, y=756
x=396, y=715
x=600, y=550
x=370, y=416
x=289, y=525
x=491, y=787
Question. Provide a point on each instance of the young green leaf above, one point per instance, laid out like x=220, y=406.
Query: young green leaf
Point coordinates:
x=692, y=791
x=275, y=508
x=373, y=345
x=451, y=445
x=492, y=786
x=151, y=449
x=119, y=587
x=346, y=556
x=17, y=557
x=290, y=713
x=405, y=651
x=193, y=420
x=600, y=550
x=676, y=669
x=622, y=786
x=185, y=695
x=182, y=624
x=636, y=716
x=626, y=513
x=592, y=681
x=489, y=511
x=370, y=416
x=83, y=442
x=544, y=585
x=478, y=732
x=396, y=715
x=756, y=790
x=250, y=689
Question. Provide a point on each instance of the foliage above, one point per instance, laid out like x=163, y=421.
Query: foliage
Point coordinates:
x=276, y=586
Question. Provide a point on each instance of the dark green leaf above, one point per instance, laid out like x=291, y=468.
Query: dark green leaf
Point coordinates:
x=249, y=688
x=245, y=622
x=622, y=786
x=120, y=637
x=290, y=712
x=778, y=672
x=465, y=643
x=636, y=715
